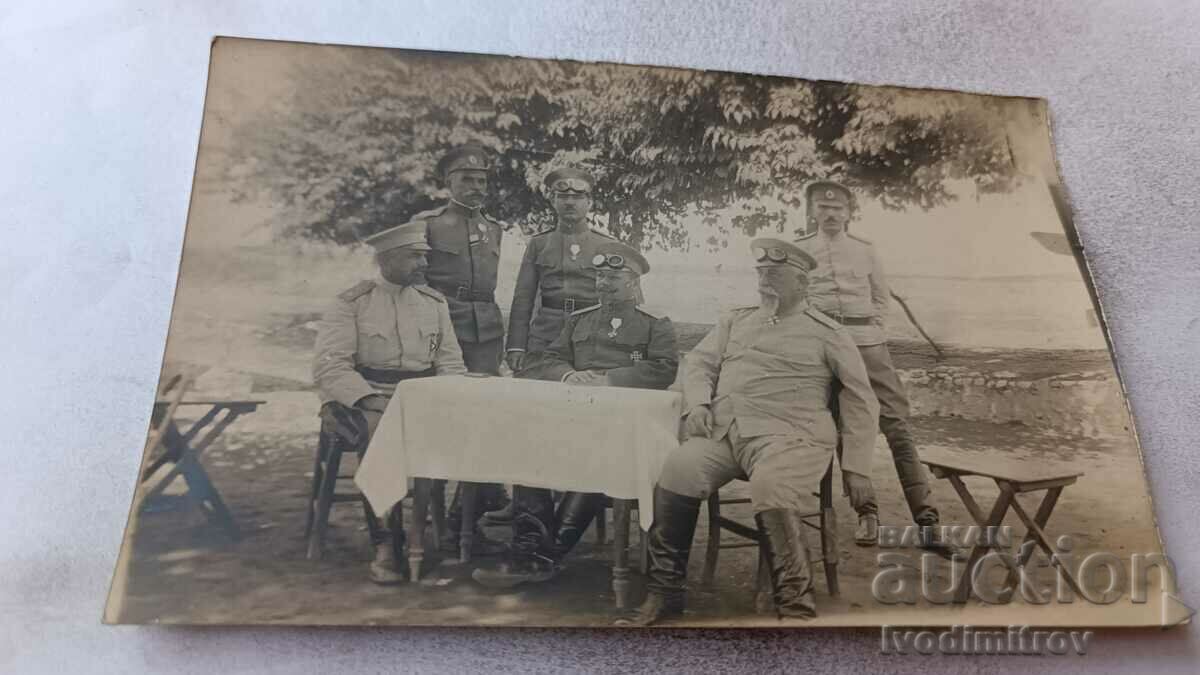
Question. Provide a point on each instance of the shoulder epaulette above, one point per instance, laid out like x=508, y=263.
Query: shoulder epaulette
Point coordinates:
x=431, y=213
x=858, y=238
x=648, y=313
x=542, y=233
x=356, y=291
x=585, y=310
x=743, y=310
x=806, y=237
x=431, y=292
x=822, y=319
x=603, y=234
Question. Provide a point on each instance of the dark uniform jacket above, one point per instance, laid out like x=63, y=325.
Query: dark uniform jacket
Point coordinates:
x=559, y=266
x=463, y=265
x=635, y=348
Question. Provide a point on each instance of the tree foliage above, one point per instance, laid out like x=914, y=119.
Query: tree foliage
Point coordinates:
x=354, y=148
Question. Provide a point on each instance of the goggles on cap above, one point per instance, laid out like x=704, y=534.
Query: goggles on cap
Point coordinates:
x=614, y=261
x=776, y=254
x=571, y=185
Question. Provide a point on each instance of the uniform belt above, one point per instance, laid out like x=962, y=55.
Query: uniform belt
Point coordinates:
x=852, y=320
x=393, y=375
x=567, y=304
x=465, y=293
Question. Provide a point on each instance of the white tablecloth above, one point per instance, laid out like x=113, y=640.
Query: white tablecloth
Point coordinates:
x=612, y=440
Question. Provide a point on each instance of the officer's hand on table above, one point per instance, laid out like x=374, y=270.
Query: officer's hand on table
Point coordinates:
x=858, y=487
x=700, y=421
x=586, y=378
x=514, y=360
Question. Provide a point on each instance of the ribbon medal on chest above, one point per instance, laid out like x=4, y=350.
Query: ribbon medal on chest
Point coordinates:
x=435, y=341
x=574, y=248
x=616, y=325
x=479, y=238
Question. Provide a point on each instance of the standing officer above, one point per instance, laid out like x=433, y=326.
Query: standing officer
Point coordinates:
x=616, y=344
x=463, y=266
x=375, y=335
x=557, y=264
x=757, y=391
x=849, y=287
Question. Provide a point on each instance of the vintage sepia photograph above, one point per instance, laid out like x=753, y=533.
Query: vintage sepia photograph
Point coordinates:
x=476, y=340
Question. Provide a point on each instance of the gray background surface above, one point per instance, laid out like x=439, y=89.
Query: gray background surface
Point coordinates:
x=96, y=154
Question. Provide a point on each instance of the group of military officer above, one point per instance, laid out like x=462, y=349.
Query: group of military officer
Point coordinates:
x=770, y=395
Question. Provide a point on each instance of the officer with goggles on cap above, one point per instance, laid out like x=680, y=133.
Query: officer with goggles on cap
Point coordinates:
x=614, y=343
x=757, y=393
x=558, y=266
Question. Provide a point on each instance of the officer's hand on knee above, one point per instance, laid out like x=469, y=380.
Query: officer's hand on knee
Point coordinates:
x=514, y=360
x=700, y=421
x=858, y=487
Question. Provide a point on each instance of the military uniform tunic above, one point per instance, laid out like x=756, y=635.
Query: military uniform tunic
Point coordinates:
x=848, y=282
x=633, y=347
x=558, y=266
x=463, y=266
x=769, y=385
x=380, y=326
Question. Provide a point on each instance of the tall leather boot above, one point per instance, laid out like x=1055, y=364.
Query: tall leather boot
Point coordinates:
x=531, y=558
x=786, y=551
x=388, y=566
x=485, y=499
x=669, y=544
x=575, y=513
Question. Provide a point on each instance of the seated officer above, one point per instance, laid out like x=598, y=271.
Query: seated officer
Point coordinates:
x=375, y=335
x=757, y=394
x=614, y=344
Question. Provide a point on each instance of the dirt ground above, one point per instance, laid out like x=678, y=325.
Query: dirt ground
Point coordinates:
x=184, y=570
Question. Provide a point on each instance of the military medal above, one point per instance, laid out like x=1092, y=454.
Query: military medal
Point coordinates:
x=616, y=324
x=635, y=356
x=435, y=341
x=481, y=237
x=772, y=320
x=575, y=256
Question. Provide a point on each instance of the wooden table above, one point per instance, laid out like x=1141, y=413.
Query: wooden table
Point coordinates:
x=183, y=451
x=524, y=432
x=1012, y=481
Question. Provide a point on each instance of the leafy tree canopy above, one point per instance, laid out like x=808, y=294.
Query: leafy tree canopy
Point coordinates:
x=354, y=148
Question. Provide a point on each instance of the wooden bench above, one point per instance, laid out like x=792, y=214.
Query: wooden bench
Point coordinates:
x=1012, y=481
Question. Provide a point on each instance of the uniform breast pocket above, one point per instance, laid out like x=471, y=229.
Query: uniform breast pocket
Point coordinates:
x=376, y=342
x=549, y=257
